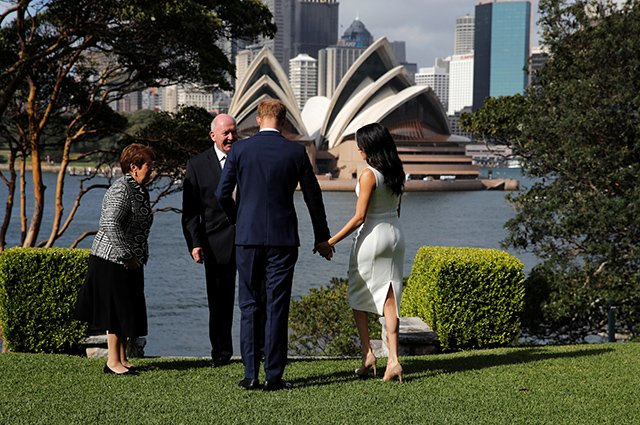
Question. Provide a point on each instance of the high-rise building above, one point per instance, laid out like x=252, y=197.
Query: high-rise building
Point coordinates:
x=335, y=61
x=538, y=59
x=333, y=64
x=357, y=35
x=244, y=59
x=501, y=48
x=463, y=43
x=316, y=26
x=460, y=83
x=436, y=77
x=303, y=77
x=282, y=44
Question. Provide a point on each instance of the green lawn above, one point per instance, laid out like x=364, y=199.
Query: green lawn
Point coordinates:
x=579, y=384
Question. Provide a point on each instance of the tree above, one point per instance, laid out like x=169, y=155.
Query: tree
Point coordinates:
x=74, y=58
x=578, y=130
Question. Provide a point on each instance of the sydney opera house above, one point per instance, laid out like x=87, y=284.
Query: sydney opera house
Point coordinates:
x=375, y=89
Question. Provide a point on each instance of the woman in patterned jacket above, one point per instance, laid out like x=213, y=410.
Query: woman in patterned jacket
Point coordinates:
x=112, y=298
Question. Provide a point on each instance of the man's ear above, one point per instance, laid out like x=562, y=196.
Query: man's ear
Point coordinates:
x=259, y=120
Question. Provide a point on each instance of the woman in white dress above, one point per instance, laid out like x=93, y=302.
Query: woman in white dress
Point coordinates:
x=377, y=256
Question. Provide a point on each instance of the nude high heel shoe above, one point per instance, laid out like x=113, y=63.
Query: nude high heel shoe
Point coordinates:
x=392, y=373
x=367, y=364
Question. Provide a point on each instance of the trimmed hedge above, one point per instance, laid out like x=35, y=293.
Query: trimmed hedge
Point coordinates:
x=38, y=292
x=471, y=297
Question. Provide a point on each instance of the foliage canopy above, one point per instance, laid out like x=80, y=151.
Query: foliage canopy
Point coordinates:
x=578, y=132
x=63, y=63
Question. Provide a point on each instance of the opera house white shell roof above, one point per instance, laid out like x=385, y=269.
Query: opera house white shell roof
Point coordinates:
x=376, y=88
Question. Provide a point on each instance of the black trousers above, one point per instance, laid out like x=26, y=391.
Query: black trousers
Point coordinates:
x=221, y=287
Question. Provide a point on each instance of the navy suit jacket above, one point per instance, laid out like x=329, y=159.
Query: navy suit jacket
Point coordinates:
x=204, y=223
x=267, y=168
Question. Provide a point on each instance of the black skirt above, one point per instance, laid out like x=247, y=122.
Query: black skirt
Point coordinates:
x=112, y=299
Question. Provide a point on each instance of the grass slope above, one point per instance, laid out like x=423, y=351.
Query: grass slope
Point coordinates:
x=580, y=384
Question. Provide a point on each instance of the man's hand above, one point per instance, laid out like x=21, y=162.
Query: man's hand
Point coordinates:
x=197, y=255
x=324, y=249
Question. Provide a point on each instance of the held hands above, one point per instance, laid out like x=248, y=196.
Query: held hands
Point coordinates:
x=325, y=250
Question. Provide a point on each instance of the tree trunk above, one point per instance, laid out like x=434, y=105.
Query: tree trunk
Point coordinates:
x=57, y=217
x=36, y=169
x=23, y=200
x=11, y=188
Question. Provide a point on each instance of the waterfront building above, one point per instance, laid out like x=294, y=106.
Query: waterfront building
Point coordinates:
x=501, y=48
x=436, y=77
x=454, y=123
x=376, y=88
x=460, y=83
x=303, y=76
x=316, y=26
x=538, y=59
x=176, y=96
x=464, y=35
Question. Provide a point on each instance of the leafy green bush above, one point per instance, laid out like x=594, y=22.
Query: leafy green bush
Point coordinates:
x=38, y=292
x=575, y=302
x=322, y=323
x=471, y=297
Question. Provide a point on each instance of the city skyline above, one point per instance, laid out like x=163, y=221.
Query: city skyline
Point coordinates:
x=427, y=26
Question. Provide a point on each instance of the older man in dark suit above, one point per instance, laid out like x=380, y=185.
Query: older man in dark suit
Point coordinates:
x=210, y=234
x=266, y=169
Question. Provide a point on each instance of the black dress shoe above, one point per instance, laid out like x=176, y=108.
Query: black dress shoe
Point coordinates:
x=250, y=384
x=277, y=385
x=220, y=361
x=109, y=371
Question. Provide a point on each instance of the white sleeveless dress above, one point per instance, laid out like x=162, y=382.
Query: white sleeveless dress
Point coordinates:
x=377, y=255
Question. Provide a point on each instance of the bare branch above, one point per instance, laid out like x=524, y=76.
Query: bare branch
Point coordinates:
x=82, y=236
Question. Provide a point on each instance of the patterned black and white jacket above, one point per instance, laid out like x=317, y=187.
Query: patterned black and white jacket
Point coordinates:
x=125, y=222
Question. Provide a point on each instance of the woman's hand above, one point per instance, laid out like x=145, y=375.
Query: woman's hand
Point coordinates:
x=132, y=263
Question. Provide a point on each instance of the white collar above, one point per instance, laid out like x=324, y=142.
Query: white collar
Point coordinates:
x=269, y=129
x=219, y=153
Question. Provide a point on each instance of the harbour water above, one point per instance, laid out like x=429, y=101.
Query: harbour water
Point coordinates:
x=176, y=296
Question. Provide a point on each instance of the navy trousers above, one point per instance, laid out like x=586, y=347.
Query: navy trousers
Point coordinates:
x=264, y=293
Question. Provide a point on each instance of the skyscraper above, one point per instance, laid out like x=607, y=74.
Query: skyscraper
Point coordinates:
x=436, y=77
x=316, y=26
x=333, y=64
x=460, y=83
x=303, y=77
x=501, y=48
x=282, y=44
x=357, y=35
x=335, y=61
x=463, y=43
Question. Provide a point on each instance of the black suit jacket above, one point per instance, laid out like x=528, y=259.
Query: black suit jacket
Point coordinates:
x=267, y=168
x=204, y=223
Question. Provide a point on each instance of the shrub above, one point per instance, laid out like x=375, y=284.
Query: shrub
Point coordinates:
x=322, y=323
x=471, y=297
x=575, y=302
x=38, y=292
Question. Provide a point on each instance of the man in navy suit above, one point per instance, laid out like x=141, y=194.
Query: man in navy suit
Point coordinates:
x=266, y=169
x=210, y=234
